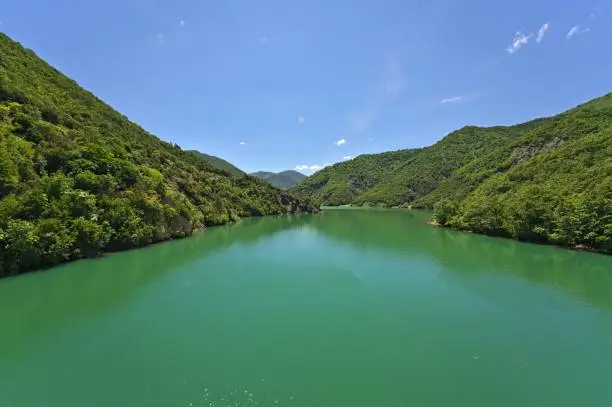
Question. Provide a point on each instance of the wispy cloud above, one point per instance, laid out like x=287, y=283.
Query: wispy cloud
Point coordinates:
x=263, y=40
x=340, y=142
x=542, y=32
x=576, y=30
x=361, y=120
x=161, y=38
x=454, y=99
x=301, y=119
x=597, y=11
x=242, y=143
x=182, y=23
x=573, y=31
x=391, y=85
x=394, y=82
x=347, y=157
x=518, y=41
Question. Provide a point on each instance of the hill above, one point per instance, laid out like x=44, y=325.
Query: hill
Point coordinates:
x=283, y=180
x=548, y=180
x=78, y=178
x=219, y=163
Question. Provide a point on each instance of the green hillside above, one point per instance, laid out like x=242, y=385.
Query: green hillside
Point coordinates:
x=547, y=180
x=78, y=178
x=283, y=180
x=262, y=174
x=344, y=182
x=219, y=164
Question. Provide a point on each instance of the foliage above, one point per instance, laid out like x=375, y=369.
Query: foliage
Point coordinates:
x=444, y=211
x=219, y=164
x=77, y=178
x=282, y=180
x=548, y=180
x=342, y=183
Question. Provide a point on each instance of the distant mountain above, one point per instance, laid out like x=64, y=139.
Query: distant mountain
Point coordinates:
x=283, y=180
x=219, y=163
x=547, y=180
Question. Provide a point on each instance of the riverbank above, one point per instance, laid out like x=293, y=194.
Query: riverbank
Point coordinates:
x=577, y=247
x=433, y=222
x=289, y=203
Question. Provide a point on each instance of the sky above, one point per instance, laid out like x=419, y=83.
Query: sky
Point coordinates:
x=283, y=84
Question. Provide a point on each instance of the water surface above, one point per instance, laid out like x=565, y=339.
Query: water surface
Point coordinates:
x=347, y=308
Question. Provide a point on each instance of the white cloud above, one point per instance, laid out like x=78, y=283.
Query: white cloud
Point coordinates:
x=347, y=157
x=161, y=38
x=340, y=142
x=542, y=32
x=454, y=99
x=301, y=119
x=242, y=143
x=575, y=30
x=518, y=41
x=182, y=23
x=310, y=168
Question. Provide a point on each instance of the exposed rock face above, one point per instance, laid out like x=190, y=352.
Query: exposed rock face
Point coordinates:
x=294, y=205
x=525, y=152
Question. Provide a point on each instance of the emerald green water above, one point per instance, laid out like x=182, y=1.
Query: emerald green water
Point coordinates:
x=346, y=308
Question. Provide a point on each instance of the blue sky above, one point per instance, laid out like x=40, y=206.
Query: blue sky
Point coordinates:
x=275, y=84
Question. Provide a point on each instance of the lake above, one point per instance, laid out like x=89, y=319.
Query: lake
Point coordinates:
x=344, y=308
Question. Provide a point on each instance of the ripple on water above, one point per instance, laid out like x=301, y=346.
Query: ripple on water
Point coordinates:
x=237, y=398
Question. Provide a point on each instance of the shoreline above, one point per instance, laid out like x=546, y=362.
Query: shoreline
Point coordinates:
x=577, y=248
x=432, y=222
x=106, y=253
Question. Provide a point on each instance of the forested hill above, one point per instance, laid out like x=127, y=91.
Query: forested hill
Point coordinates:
x=220, y=164
x=547, y=180
x=77, y=178
x=283, y=179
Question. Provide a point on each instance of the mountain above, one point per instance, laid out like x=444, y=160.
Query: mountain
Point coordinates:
x=283, y=180
x=548, y=180
x=78, y=178
x=219, y=163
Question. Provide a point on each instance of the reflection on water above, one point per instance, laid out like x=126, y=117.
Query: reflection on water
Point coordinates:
x=586, y=275
x=344, y=308
x=81, y=289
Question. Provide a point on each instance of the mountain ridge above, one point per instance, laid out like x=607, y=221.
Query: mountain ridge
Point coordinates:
x=283, y=180
x=531, y=181
x=219, y=163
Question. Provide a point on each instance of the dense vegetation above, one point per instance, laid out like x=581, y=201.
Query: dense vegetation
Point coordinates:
x=219, y=163
x=345, y=182
x=283, y=180
x=547, y=180
x=77, y=178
